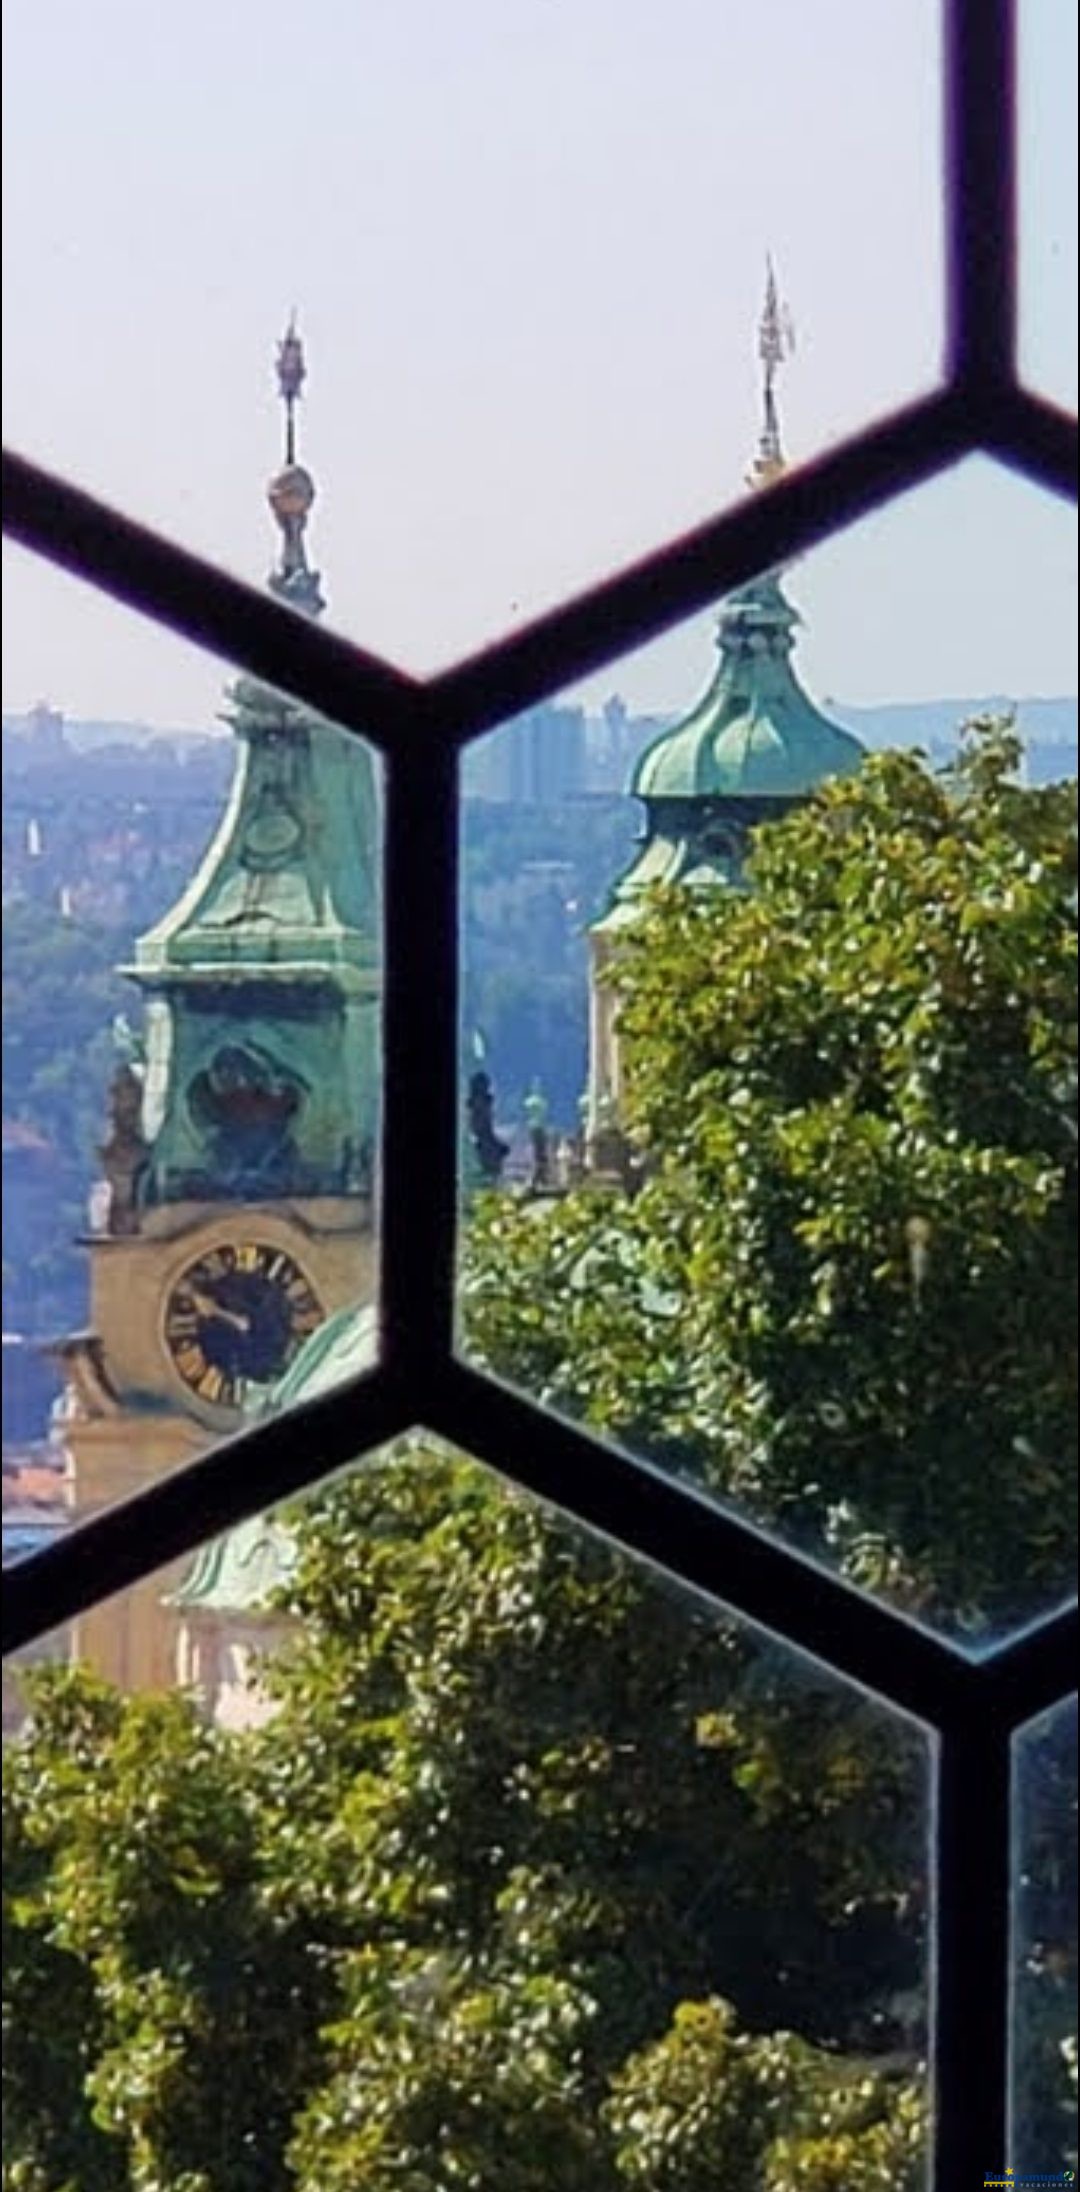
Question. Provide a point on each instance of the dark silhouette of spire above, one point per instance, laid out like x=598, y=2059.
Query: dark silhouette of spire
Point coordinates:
x=292, y=490
x=776, y=341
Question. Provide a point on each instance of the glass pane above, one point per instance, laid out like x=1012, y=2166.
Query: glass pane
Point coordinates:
x=467, y=1851
x=191, y=1008
x=768, y=1141
x=527, y=253
x=1043, y=2099
x=1048, y=193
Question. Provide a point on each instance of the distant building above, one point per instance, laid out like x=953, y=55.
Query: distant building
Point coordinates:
x=615, y=741
x=45, y=739
x=537, y=760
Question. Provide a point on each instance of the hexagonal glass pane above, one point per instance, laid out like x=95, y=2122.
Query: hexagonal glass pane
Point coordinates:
x=768, y=1140
x=1048, y=190
x=191, y=1052
x=1043, y=2096
x=467, y=1846
x=528, y=258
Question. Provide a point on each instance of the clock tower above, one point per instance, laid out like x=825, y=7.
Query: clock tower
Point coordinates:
x=235, y=1211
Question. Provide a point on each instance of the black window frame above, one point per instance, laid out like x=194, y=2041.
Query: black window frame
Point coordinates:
x=973, y=1707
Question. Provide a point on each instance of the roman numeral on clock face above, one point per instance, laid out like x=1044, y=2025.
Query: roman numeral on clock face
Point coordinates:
x=235, y=1319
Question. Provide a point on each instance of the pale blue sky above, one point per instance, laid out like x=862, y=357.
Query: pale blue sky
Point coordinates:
x=526, y=238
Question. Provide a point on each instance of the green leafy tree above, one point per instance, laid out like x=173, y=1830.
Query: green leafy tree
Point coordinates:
x=161, y=2019
x=845, y=1296
x=567, y=1798
x=53, y=2032
x=711, y=2104
x=541, y=1873
x=519, y=1801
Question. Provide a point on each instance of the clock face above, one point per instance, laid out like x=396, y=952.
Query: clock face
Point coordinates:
x=235, y=1319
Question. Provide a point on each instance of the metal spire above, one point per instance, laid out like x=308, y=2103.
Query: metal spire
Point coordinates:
x=776, y=341
x=292, y=492
x=291, y=373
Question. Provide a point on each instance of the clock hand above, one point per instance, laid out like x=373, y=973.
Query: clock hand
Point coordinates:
x=208, y=1307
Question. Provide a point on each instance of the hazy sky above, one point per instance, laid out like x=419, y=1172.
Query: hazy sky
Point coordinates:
x=526, y=239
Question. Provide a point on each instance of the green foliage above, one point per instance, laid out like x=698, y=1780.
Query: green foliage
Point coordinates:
x=542, y=1874
x=443, y=2081
x=519, y=1800
x=875, y=2141
x=53, y=2031
x=161, y=2019
x=845, y=1296
x=711, y=2104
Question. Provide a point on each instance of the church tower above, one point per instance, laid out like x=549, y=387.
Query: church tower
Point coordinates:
x=754, y=746
x=235, y=1213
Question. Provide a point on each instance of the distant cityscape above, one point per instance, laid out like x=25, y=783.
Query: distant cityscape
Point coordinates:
x=102, y=825
x=103, y=820
x=552, y=753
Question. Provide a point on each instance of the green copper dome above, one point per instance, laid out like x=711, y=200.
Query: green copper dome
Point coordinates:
x=755, y=733
x=754, y=745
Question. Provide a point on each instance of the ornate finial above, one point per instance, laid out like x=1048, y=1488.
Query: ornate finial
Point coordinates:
x=292, y=492
x=291, y=373
x=776, y=341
